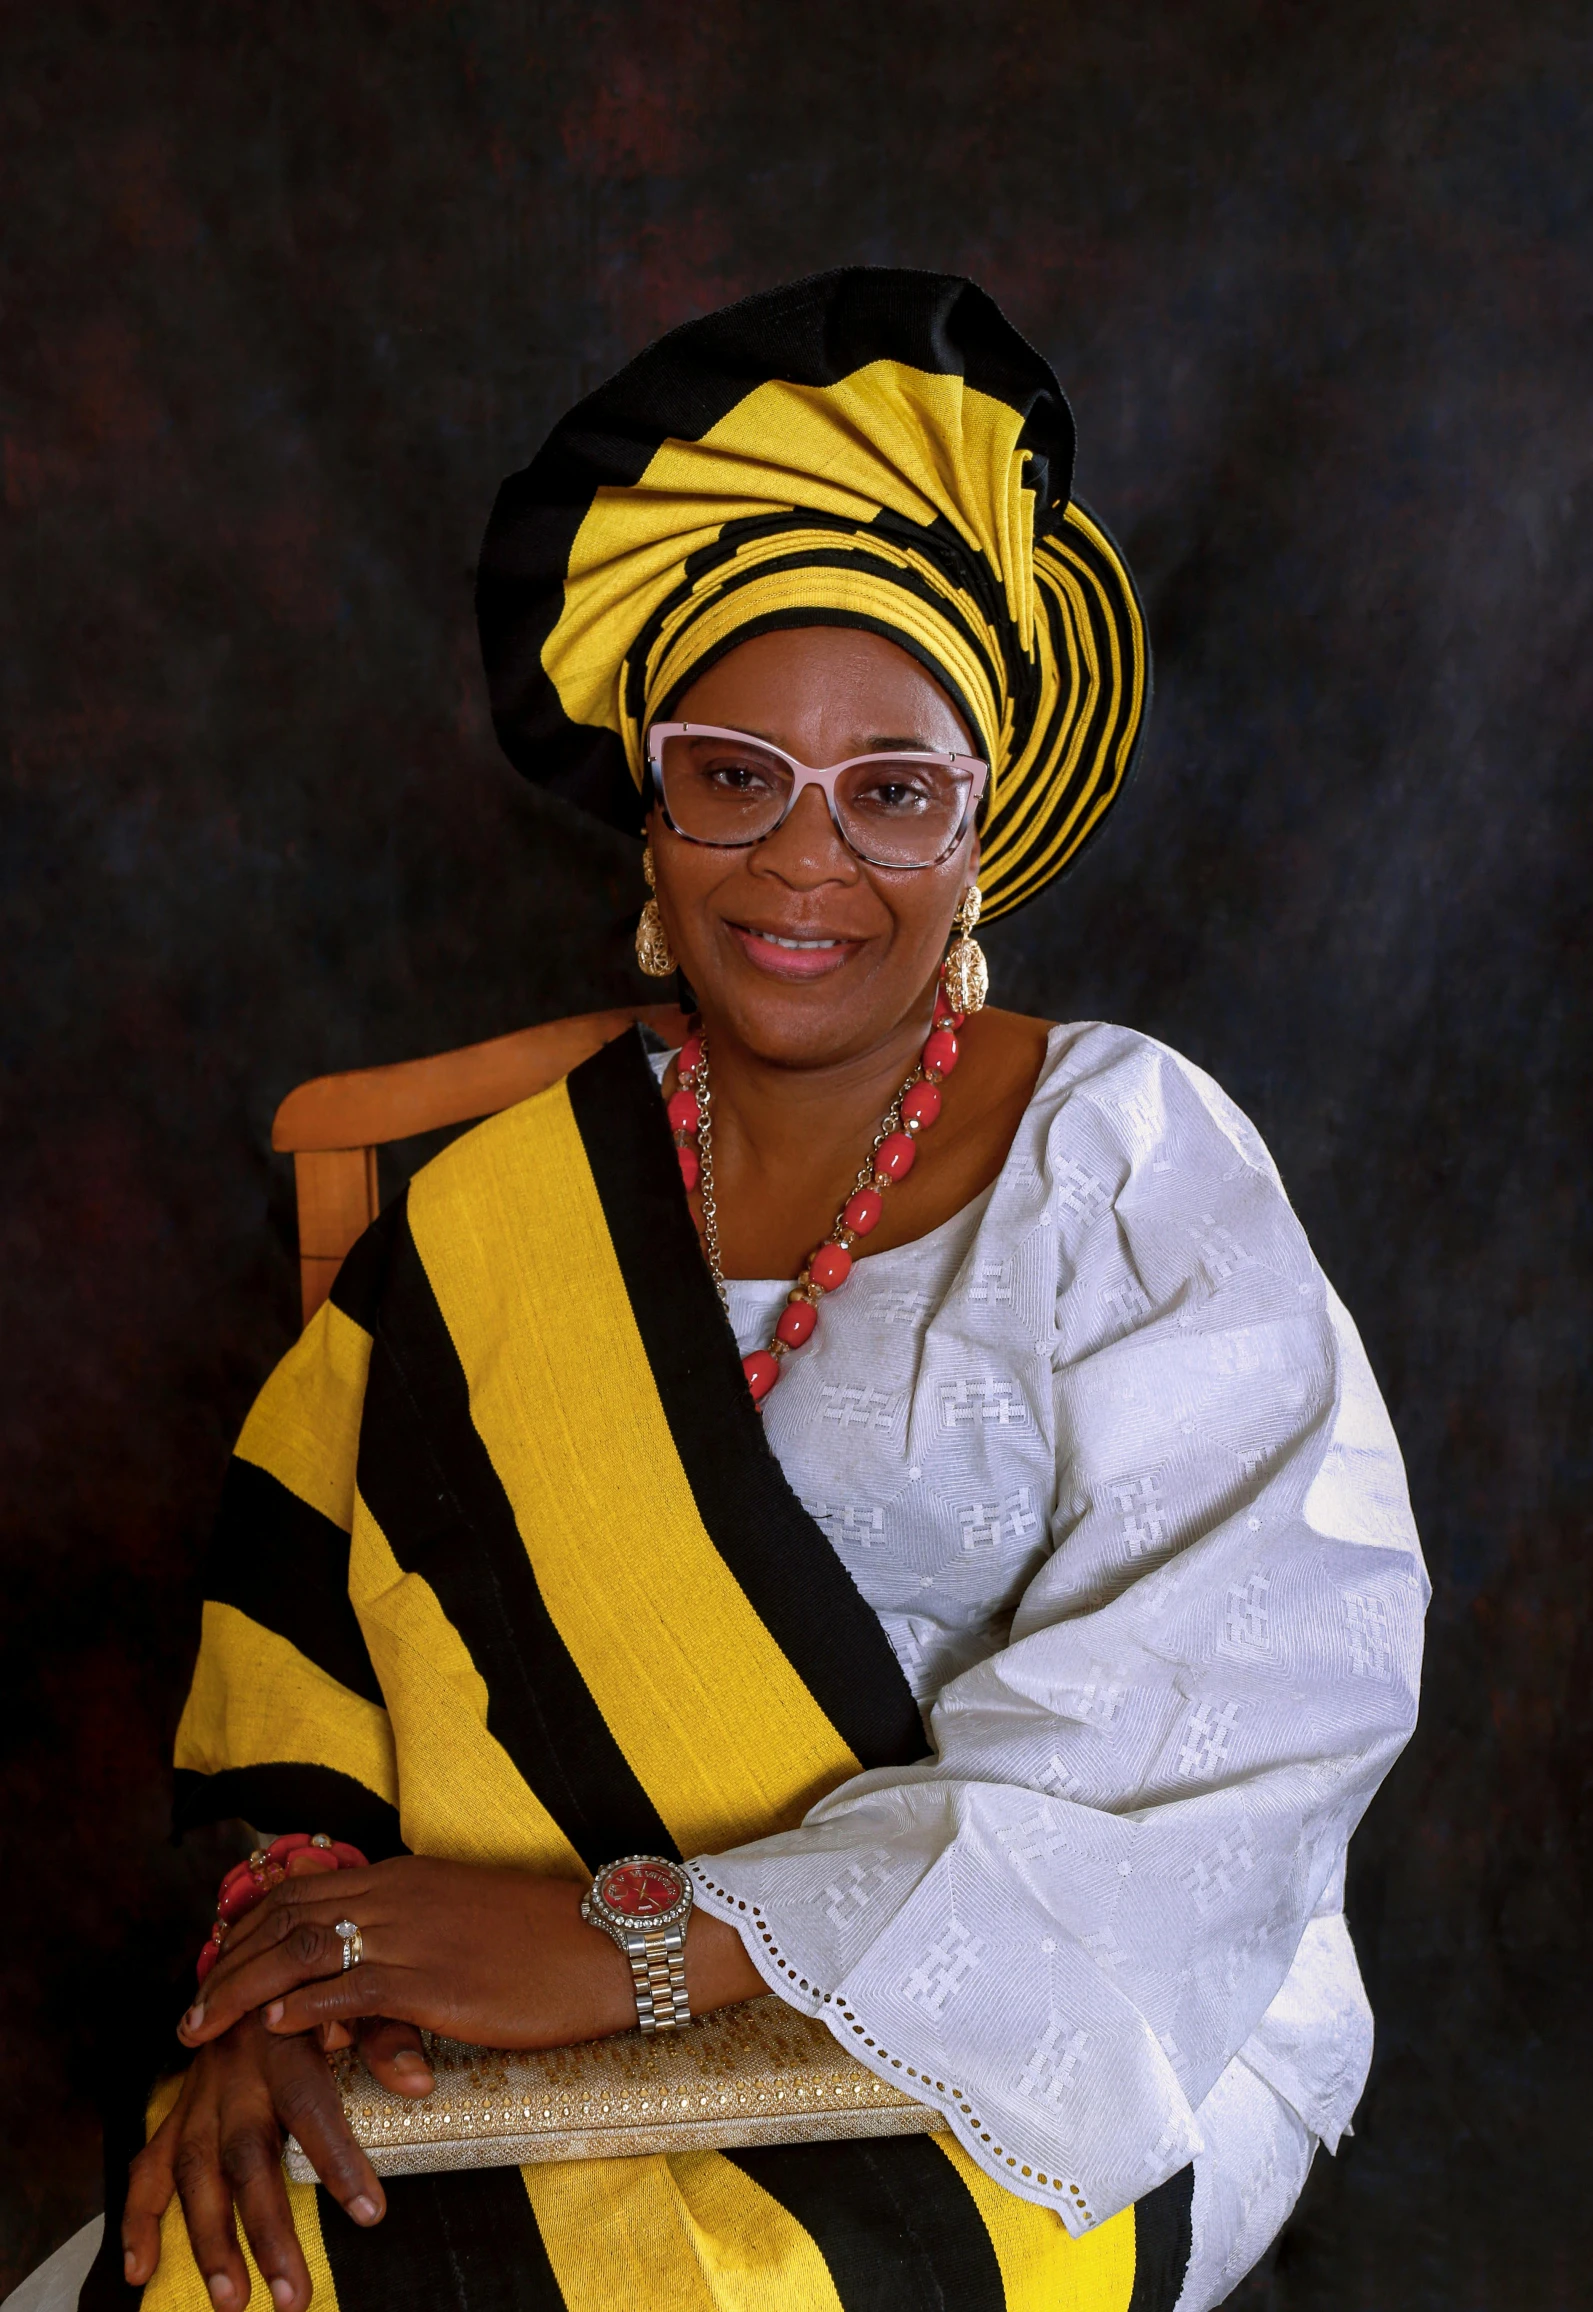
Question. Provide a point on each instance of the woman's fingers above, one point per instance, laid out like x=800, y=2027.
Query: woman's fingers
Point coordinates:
x=207, y=2210
x=251, y=2162
x=300, y=1947
x=317, y=1889
x=150, y=2184
x=365, y=1990
x=395, y=2055
x=309, y=2106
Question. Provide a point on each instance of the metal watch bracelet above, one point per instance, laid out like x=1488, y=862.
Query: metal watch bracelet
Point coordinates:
x=658, y=1970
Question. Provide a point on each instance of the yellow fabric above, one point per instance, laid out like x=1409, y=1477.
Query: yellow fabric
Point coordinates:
x=690, y=2231
x=716, y=1725
x=862, y=594
x=304, y=1426
x=460, y=1794
x=920, y=444
x=758, y=2258
x=257, y=1701
x=178, y=2285
x=1009, y=861
x=1042, y=2268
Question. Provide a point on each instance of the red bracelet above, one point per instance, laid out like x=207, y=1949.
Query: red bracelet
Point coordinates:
x=296, y=1855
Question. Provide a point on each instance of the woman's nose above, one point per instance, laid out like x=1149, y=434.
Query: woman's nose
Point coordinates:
x=807, y=848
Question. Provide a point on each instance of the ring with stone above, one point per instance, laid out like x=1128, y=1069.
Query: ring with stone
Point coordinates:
x=353, y=1943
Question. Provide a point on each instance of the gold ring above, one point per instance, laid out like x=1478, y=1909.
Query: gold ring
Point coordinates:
x=353, y=1943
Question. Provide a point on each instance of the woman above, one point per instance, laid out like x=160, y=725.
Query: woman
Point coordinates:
x=1006, y=1640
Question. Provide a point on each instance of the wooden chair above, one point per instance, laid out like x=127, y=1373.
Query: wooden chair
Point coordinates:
x=333, y=1125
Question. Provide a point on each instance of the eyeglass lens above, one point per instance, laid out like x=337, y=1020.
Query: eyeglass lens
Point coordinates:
x=896, y=810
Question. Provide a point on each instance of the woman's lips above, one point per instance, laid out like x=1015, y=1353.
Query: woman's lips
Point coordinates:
x=792, y=956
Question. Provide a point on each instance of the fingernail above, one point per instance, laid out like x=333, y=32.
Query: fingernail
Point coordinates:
x=282, y=2293
x=129, y=2262
x=410, y=2059
x=194, y=2017
x=273, y=2013
x=221, y=2289
x=364, y=2210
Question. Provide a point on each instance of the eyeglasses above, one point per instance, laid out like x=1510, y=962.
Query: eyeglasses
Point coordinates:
x=908, y=809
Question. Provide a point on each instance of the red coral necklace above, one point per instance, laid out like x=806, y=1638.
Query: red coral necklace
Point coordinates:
x=890, y=1158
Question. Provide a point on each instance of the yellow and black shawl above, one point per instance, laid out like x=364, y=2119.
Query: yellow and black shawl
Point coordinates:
x=506, y=1571
x=872, y=447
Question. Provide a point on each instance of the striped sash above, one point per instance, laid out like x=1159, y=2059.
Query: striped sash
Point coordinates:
x=506, y=1571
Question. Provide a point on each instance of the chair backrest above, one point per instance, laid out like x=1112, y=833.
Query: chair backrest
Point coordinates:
x=333, y=1125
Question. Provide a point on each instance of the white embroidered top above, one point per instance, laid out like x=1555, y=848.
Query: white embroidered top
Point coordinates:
x=1105, y=1454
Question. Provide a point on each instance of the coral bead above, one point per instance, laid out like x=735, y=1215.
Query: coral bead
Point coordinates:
x=307, y=1860
x=896, y=1158
x=830, y=1266
x=762, y=1371
x=945, y=1016
x=863, y=1210
x=690, y=1054
x=921, y=1106
x=940, y=1053
x=682, y=1110
x=690, y=1167
x=796, y=1323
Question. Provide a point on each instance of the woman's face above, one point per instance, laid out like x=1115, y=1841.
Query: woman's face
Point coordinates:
x=823, y=693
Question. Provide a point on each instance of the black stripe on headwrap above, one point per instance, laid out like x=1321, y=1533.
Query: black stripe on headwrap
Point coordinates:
x=948, y=552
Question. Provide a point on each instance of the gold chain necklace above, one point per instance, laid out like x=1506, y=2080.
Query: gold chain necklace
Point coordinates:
x=892, y=1154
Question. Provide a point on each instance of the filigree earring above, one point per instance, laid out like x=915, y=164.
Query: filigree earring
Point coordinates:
x=967, y=975
x=653, y=950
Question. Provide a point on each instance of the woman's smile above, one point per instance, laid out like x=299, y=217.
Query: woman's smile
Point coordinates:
x=793, y=955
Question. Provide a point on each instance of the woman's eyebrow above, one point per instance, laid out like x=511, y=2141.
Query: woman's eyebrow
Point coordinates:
x=895, y=744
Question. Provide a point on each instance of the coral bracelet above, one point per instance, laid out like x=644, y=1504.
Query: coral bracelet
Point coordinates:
x=295, y=1855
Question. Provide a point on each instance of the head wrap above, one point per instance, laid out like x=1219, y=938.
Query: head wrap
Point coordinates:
x=871, y=447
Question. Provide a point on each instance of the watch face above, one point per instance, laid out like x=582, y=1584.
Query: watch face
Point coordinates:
x=640, y=1890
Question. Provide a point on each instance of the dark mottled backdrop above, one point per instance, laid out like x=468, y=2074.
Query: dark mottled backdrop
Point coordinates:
x=286, y=291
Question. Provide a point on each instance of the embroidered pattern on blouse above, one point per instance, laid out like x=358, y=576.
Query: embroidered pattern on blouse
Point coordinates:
x=879, y=2058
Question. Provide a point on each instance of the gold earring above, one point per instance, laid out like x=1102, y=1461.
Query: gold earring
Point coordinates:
x=653, y=950
x=967, y=974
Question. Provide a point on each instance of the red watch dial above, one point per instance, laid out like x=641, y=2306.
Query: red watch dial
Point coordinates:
x=639, y=1890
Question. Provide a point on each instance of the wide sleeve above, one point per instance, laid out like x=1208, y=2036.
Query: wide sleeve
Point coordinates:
x=285, y=1724
x=1063, y=1926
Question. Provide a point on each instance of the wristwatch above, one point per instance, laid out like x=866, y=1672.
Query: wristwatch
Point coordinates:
x=642, y=1903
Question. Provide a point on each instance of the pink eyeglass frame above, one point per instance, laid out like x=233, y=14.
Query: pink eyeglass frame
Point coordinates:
x=805, y=775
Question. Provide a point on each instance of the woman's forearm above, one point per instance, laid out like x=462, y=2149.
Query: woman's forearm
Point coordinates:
x=718, y=1970
x=495, y=1956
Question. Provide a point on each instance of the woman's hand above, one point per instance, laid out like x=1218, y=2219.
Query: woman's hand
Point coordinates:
x=220, y=2148
x=497, y=1957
